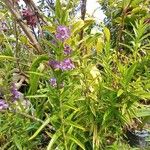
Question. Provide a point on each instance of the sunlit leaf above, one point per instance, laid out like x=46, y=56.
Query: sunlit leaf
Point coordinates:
x=107, y=34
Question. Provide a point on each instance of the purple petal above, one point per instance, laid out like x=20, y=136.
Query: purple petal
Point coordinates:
x=62, y=33
x=53, y=82
x=3, y=104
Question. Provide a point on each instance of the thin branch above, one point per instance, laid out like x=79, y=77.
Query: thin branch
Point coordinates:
x=83, y=12
x=83, y=9
x=24, y=27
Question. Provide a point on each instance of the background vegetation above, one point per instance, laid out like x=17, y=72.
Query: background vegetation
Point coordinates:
x=64, y=86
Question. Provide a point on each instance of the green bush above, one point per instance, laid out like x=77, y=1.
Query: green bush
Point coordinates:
x=69, y=88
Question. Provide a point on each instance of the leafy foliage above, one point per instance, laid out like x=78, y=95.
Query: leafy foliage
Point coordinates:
x=98, y=89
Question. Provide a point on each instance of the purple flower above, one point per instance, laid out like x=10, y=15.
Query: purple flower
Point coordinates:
x=67, y=50
x=53, y=42
x=54, y=64
x=15, y=93
x=53, y=82
x=30, y=17
x=62, y=33
x=67, y=64
x=3, y=104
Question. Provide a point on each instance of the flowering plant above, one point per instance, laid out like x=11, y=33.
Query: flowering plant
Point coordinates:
x=67, y=87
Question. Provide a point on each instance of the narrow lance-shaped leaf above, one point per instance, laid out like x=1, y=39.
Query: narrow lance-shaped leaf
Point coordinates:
x=4, y=57
x=107, y=34
x=34, y=78
x=40, y=129
x=53, y=140
x=77, y=141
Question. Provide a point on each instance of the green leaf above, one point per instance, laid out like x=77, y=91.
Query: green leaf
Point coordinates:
x=23, y=39
x=107, y=34
x=58, y=8
x=144, y=95
x=17, y=142
x=129, y=73
x=37, y=61
x=143, y=112
x=37, y=73
x=120, y=92
x=128, y=33
x=53, y=140
x=99, y=45
x=127, y=46
x=36, y=96
x=105, y=117
x=74, y=124
x=49, y=44
x=75, y=140
x=88, y=22
x=34, y=78
x=92, y=108
x=4, y=57
x=40, y=129
x=77, y=26
x=65, y=16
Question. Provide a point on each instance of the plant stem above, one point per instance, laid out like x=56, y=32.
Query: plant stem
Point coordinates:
x=83, y=12
x=17, y=46
x=62, y=120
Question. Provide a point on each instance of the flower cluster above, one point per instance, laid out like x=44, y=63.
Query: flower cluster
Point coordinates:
x=53, y=83
x=66, y=64
x=30, y=17
x=62, y=33
x=15, y=93
x=3, y=105
x=67, y=50
x=54, y=64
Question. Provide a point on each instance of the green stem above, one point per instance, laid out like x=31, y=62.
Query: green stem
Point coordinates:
x=62, y=117
x=62, y=121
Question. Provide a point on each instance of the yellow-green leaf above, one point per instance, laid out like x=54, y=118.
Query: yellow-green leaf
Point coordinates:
x=4, y=57
x=107, y=34
x=76, y=27
x=120, y=92
x=99, y=45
